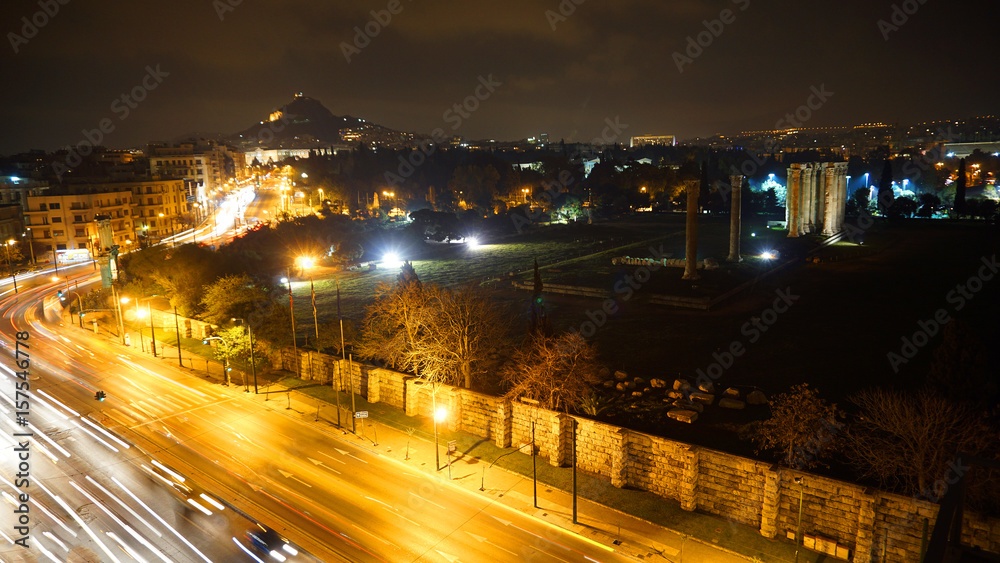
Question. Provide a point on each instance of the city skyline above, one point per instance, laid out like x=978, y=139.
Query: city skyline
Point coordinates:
x=557, y=68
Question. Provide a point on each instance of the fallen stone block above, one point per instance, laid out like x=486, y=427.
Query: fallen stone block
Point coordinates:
x=621, y=375
x=679, y=383
x=706, y=387
x=682, y=404
x=729, y=403
x=756, y=397
x=675, y=394
x=703, y=398
x=732, y=392
x=682, y=415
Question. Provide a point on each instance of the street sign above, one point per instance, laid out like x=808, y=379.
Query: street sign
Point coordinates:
x=452, y=446
x=361, y=414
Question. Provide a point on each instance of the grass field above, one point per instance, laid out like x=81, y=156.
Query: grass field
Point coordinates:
x=846, y=315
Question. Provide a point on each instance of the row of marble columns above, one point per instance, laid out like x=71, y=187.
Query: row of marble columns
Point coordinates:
x=816, y=199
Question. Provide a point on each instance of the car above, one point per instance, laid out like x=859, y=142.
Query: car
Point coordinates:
x=270, y=542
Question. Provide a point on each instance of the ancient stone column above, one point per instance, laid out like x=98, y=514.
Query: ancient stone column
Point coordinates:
x=808, y=191
x=792, y=199
x=842, y=200
x=830, y=193
x=691, y=233
x=735, y=218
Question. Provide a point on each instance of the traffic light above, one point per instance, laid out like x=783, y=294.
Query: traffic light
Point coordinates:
x=60, y=294
x=100, y=395
x=204, y=342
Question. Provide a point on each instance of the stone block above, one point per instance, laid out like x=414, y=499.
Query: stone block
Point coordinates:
x=682, y=415
x=807, y=541
x=732, y=392
x=756, y=397
x=689, y=406
x=657, y=383
x=680, y=384
x=842, y=552
x=706, y=387
x=675, y=394
x=703, y=398
x=728, y=403
x=621, y=375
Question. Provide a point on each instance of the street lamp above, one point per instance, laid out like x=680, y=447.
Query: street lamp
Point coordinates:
x=10, y=263
x=253, y=363
x=225, y=357
x=798, y=529
x=306, y=263
x=440, y=414
x=291, y=310
x=31, y=244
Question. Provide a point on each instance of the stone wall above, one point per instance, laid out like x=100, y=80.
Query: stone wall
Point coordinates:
x=838, y=517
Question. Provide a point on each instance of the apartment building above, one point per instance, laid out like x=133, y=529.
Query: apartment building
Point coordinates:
x=62, y=221
x=204, y=165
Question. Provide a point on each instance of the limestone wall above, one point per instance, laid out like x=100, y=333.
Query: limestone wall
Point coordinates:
x=838, y=517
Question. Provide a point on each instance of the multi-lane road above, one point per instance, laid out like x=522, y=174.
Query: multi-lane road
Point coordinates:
x=97, y=487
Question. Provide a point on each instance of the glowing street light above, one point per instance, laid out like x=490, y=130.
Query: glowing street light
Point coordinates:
x=768, y=255
x=391, y=260
x=440, y=415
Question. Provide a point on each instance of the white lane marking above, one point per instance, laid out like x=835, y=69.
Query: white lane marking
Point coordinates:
x=333, y=458
x=288, y=475
x=344, y=452
x=428, y=501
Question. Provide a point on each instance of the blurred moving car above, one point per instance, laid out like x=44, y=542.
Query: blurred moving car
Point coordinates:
x=270, y=542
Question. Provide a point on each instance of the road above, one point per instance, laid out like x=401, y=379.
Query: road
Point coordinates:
x=336, y=499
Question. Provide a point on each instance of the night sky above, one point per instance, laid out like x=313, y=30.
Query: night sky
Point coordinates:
x=604, y=60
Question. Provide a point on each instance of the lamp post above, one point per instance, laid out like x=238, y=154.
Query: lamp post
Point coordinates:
x=253, y=363
x=10, y=264
x=291, y=310
x=798, y=529
x=307, y=263
x=225, y=361
x=31, y=245
x=118, y=308
x=172, y=242
x=440, y=415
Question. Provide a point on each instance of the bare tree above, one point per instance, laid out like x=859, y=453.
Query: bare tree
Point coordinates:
x=908, y=441
x=393, y=321
x=803, y=428
x=461, y=330
x=559, y=372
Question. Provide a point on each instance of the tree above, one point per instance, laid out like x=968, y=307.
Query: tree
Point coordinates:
x=928, y=204
x=904, y=206
x=461, y=330
x=329, y=335
x=231, y=296
x=907, y=442
x=11, y=255
x=234, y=346
x=393, y=321
x=885, y=195
x=559, y=372
x=538, y=323
x=960, y=189
x=859, y=202
x=803, y=428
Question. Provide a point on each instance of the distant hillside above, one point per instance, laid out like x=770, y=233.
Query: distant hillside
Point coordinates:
x=306, y=122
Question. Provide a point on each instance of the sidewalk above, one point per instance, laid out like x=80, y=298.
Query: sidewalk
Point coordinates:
x=634, y=523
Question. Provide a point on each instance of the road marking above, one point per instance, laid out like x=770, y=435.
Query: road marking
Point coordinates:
x=448, y=556
x=428, y=501
x=288, y=475
x=157, y=419
x=333, y=458
x=343, y=452
x=320, y=463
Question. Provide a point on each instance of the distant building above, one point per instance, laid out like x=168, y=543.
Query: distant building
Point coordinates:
x=274, y=156
x=11, y=223
x=204, y=166
x=62, y=220
x=664, y=140
x=14, y=189
x=962, y=150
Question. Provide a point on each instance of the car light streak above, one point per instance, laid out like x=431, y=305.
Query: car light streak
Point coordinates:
x=160, y=520
x=118, y=521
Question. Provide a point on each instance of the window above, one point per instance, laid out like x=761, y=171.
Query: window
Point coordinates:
x=53, y=206
x=149, y=201
x=78, y=218
x=79, y=233
x=58, y=234
x=45, y=234
x=43, y=207
x=152, y=222
x=57, y=219
x=83, y=245
x=60, y=247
